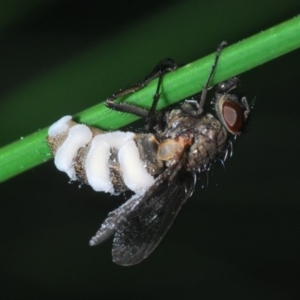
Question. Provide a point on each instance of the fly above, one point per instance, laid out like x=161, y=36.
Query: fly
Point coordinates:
x=159, y=166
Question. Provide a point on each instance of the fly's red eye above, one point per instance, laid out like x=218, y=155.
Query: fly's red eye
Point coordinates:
x=233, y=116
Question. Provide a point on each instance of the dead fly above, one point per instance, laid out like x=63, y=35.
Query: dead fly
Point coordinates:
x=160, y=166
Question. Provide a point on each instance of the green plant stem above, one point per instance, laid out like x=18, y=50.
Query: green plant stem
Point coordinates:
x=188, y=80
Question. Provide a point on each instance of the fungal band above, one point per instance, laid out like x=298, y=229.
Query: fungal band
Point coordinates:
x=134, y=174
x=79, y=135
x=59, y=127
x=94, y=159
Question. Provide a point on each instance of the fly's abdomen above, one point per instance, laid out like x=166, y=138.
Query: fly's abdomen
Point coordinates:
x=108, y=161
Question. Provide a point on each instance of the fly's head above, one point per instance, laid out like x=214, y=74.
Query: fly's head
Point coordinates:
x=231, y=111
x=212, y=132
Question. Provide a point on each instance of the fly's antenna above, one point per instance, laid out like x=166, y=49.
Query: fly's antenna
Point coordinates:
x=213, y=68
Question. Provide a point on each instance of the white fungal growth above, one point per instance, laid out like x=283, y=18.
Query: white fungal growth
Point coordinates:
x=59, y=127
x=96, y=166
x=79, y=135
x=94, y=162
x=135, y=175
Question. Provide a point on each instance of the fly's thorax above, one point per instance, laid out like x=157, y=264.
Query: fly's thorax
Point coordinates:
x=210, y=140
x=203, y=137
x=108, y=161
x=176, y=122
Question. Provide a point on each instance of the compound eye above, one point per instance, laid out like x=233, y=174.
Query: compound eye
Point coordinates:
x=233, y=116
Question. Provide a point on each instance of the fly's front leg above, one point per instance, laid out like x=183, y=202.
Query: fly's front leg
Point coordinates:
x=206, y=86
x=228, y=85
x=165, y=66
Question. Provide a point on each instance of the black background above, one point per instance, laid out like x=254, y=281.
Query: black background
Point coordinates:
x=238, y=238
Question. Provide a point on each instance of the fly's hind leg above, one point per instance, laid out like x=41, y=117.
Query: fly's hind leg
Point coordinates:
x=165, y=66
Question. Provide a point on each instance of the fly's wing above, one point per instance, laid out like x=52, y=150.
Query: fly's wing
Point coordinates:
x=145, y=226
x=115, y=219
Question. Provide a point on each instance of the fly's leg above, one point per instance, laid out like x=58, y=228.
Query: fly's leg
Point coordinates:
x=150, y=118
x=201, y=102
x=165, y=66
x=226, y=86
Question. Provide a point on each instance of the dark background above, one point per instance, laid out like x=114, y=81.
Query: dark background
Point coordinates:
x=238, y=238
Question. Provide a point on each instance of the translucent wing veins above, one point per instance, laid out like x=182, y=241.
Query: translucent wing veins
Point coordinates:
x=142, y=221
x=115, y=219
x=145, y=227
